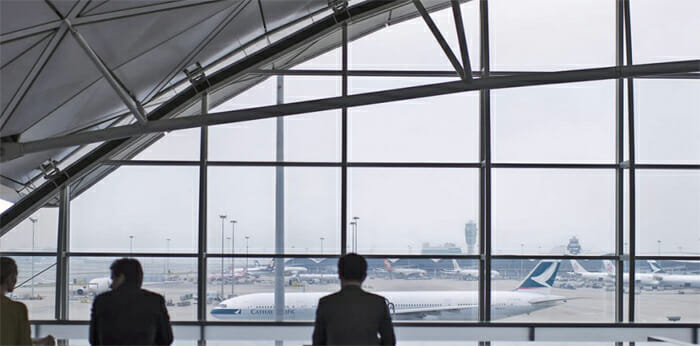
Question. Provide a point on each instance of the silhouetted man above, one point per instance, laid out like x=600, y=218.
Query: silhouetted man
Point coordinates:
x=352, y=316
x=128, y=315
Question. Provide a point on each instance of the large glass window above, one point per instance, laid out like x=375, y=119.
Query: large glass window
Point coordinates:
x=138, y=209
x=37, y=233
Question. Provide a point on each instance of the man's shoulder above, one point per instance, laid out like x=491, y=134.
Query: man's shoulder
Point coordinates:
x=12, y=305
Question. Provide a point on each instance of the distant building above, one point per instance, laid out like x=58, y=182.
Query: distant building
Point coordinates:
x=470, y=237
x=574, y=247
x=445, y=249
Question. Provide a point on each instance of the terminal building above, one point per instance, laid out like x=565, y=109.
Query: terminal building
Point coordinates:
x=472, y=150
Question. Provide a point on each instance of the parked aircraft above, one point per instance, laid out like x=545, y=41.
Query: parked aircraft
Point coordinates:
x=405, y=273
x=674, y=280
x=95, y=287
x=643, y=279
x=584, y=274
x=467, y=274
x=532, y=294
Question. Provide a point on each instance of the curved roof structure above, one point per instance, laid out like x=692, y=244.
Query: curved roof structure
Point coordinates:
x=75, y=66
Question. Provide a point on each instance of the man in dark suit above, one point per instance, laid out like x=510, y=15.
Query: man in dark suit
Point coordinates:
x=352, y=316
x=128, y=315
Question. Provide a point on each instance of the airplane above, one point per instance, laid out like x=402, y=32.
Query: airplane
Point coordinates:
x=95, y=287
x=405, y=273
x=531, y=295
x=467, y=274
x=238, y=274
x=643, y=279
x=322, y=278
x=581, y=272
x=674, y=280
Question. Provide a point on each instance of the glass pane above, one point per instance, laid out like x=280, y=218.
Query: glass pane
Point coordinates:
x=675, y=299
x=402, y=211
x=248, y=140
x=138, y=209
x=419, y=48
x=551, y=35
x=175, y=145
x=667, y=122
x=173, y=278
x=38, y=232
x=432, y=129
x=539, y=210
x=37, y=293
x=667, y=212
x=555, y=123
x=312, y=136
x=665, y=30
x=415, y=289
x=540, y=291
x=247, y=196
x=327, y=61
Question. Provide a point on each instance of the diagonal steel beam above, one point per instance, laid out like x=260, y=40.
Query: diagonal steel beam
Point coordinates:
x=9, y=150
x=31, y=31
x=126, y=97
x=131, y=12
x=459, y=25
x=438, y=36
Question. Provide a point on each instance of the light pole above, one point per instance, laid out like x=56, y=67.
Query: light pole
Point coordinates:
x=322, y=245
x=167, y=259
x=353, y=226
x=233, y=260
x=131, y=246
x=246, y=251
x=522, y=246
x=223, y=219
x=34, y=221
x=658, y=251
x=354, y=242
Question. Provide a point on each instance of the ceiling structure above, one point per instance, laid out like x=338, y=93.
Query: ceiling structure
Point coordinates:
x=77, y=66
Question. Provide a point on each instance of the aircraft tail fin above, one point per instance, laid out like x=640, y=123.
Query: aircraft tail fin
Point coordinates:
x=541, y=278
x=578, y=268
x=455, y=265
x=387, y=265
x=655, y=268
x=609, y=267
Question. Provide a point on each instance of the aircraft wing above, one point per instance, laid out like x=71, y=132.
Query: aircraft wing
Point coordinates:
x=550, y=299
x=423, y=312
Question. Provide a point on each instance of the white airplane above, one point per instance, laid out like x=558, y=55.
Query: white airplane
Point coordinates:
x=643, y=279
x=405, y=273
x=532, y=294
x=674, y=280
x=322, y=278
x=581, y=272
x=95, y=287
x=467, y=274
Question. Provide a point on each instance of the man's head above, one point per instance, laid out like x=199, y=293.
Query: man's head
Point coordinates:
x=352, y=267
x=126, y=271
x=8, y=274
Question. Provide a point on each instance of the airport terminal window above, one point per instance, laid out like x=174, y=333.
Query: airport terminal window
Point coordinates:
x=36, y=233
x=247, y=195
x=407, y=210
x=174, y=278
x=536, y=211
x=667, y=125
x=554, y=123
x=137, y=209
x=412, y=131
x=551, y=35
x=415, y=188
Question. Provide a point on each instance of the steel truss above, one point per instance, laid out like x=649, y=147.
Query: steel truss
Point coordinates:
x=484, y=81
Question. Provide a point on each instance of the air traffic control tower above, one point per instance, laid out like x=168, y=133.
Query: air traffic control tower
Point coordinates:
x=470, y=237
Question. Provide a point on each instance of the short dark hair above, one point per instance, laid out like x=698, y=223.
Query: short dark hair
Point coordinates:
x=131, y=268
x=8, y=267
x=352, y=267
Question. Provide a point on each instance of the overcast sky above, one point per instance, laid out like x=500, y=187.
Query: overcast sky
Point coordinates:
x=534, y=211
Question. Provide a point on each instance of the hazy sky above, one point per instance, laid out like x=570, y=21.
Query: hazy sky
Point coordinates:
x=400, y=208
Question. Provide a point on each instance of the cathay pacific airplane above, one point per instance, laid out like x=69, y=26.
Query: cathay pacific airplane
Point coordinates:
x=531, y=295
x=674, y=280
x=467, y=274
x=581, y=272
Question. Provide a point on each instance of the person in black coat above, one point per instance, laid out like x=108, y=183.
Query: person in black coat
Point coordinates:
x=352, y=316
x=129, y=315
